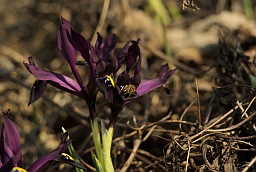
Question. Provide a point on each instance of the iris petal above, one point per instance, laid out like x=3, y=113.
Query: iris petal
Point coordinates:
x=106, y=88
x=121, y=56
x=66, y=45
x=37, y=90
x=58, y=80
x=13, y=136
x=65, y=158
x=161, y=78
x=107, y=48
x=65, y=42
x=43, y=162
x=133, y=54
x=10, y=152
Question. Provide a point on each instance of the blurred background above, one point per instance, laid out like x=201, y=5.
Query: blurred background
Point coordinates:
x=180, y=33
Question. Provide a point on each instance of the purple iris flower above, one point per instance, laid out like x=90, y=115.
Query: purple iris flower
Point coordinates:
x=98, y=58
x=10, y=151
x=68, y=41
x=101, y=59
x=126, y=87
x=66, y=45
x=103, y=67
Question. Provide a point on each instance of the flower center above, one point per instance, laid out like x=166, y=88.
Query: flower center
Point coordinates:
x=128, y=90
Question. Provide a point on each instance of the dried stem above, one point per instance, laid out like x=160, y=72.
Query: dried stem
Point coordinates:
x=102, y=20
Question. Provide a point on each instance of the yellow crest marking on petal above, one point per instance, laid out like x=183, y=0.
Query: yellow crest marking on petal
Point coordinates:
x=67, y=156
x=109, y=81
x=18, y=169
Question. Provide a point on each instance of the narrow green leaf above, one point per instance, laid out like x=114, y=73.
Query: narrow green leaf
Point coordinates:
x=97, y=140
x=97, y=163
x=107, y=136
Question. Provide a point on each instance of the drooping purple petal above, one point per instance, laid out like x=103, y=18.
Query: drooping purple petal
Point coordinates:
x=66, y=159
x=60, y=81
x=42, y=163
x=164, y=73
x=13, y=136
x=37, y=90
x=106, y=88
x=161, y=78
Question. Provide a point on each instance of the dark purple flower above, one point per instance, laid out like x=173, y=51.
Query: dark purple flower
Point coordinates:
x=68, y=41
x=127, y=87
x=66, y=45
x=10, y=152
x=44, y=162
x=99, y=59
x=102, y=55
